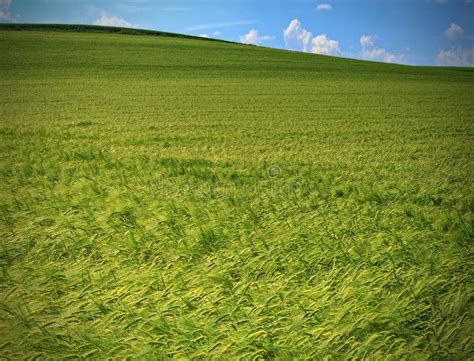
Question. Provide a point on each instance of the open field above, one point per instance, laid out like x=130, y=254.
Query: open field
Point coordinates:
x=165, y=197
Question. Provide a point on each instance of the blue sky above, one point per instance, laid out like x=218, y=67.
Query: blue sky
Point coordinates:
x=419, y=32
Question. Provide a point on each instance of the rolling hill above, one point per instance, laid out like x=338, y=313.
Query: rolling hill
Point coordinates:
x=173, y=197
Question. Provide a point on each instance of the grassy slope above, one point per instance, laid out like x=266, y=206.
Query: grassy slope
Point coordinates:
x=166, y=197
x=78, y=28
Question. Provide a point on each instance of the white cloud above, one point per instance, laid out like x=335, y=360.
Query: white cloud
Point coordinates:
x=216, y=33
x=454, y=31
x=203, y=36
x=110, y=20
x=323, y=45
x=220, y=25
x=252, y=37
x=371, y=52
x=456, y=57
x=5, y=10
x=366, y=41
x=321, y=7
x=380, y=54
x=296, y=37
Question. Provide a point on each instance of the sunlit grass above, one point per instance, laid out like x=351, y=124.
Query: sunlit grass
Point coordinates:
x=179, y=198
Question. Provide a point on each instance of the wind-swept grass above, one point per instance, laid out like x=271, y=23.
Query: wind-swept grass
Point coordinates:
x=178, y=198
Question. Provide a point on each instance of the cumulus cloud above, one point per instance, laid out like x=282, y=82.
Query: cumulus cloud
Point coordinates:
x=322, y=7
x=110, y=20
x=252, y=37
x=5, y=10
x=372, y=52
x=366, y=41
x=203, y=35
x=321, y=44
x=456, y=57
x=379, y=54
x=454, y=31
x=298, y=38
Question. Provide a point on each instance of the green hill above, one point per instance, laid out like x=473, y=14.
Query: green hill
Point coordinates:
x=166, y=197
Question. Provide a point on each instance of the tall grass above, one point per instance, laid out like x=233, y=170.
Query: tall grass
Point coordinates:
x=167, y=198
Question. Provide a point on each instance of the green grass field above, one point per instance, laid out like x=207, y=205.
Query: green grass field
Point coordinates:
x=166, y=197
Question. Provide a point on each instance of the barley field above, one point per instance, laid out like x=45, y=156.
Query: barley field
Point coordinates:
x=177, y=198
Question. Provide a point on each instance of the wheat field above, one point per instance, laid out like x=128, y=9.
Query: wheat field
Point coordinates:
x=177, y=198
